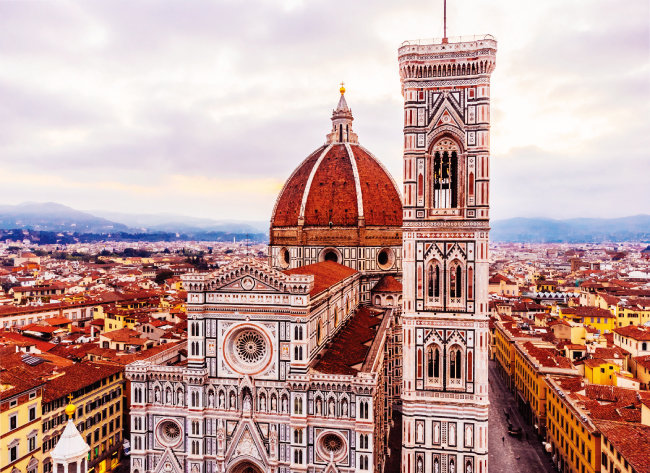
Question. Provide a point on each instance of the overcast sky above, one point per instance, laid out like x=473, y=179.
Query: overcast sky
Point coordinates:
x=204, y=108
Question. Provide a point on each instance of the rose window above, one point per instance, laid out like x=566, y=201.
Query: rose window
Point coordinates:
x=170, y=432
x=332, y=443
x=250, y=347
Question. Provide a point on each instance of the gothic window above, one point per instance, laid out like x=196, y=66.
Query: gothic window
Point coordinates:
x=433, y=281
x=433, y=361
x=297, y=436
x=363, y=410
x=363, y=441
x=363, y=462
x=297, y=406
x=455, y=280
x=445, y=174
x=455, y=363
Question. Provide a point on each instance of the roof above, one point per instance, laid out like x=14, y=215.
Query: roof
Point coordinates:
x=328, y=183
x=125, y=335
x=388, y=284
x=57, y=321
x=497, y=278
x=39, y=328
x=634, y=331
x=326, y=274
x=14, y=338
x=351, y=344
x=76, y=377
x=587, y=311
x=631, y=440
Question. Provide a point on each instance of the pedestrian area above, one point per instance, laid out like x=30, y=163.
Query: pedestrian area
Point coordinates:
x=509, y=454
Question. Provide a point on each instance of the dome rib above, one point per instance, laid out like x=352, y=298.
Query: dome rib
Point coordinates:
x=357, y=181
x=310, y=180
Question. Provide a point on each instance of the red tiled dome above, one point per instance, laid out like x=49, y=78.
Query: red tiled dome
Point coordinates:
x=339, y=185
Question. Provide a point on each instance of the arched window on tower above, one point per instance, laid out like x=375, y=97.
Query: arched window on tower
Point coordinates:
x=455, y=373
x=433, y=364
x=433, y=281
x=455, y=281
x=445, y=174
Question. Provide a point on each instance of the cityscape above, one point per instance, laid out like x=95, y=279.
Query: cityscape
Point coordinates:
x=179, y=297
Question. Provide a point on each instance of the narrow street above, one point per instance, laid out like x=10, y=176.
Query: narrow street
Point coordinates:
x=507, y=453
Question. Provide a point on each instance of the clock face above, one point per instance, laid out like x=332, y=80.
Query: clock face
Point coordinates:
x=248, y=283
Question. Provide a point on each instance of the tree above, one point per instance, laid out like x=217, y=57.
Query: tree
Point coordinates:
x=163, y=275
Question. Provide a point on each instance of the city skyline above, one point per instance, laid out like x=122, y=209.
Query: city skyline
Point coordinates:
x=180, y=109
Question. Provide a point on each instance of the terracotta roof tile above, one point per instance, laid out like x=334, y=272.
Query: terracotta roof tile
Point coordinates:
x=351, y=345
x=630, y=440
x=388, y=284
x=326, y=274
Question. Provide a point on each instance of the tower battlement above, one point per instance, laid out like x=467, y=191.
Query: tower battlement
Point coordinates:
x=458, y=59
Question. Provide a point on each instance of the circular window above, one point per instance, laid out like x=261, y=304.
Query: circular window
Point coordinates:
x=285, y=258
x=331, y=445
x=250, y=346
x=331, y=256
x=169, y=433
x=386, y=258
x=247, y=350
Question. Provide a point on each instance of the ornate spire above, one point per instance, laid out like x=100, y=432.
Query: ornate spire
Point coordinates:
x=342, y=122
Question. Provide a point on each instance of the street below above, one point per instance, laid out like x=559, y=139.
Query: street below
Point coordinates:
x=509, y=454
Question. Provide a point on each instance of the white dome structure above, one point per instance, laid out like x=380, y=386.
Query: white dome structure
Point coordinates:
x=71, y=451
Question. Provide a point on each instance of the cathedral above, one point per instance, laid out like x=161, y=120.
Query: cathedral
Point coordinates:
x=370, y=308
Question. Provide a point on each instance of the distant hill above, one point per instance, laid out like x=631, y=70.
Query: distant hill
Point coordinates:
x=576, y=230
x=180, y=223
x=50, y=216
x=53, y=217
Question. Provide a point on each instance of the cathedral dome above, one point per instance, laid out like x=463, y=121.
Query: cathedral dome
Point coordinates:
x=340, y=194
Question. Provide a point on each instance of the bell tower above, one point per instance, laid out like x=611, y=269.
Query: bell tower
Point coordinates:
x=446, y=90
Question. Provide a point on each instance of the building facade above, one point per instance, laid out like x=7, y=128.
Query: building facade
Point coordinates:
x=446, y=89
x=285, y=373
x=97, y=390
x=20, y=435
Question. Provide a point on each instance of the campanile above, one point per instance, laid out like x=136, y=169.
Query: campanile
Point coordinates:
x=446, y=90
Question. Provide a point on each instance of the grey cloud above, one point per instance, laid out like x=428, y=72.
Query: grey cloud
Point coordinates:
x=160, y=58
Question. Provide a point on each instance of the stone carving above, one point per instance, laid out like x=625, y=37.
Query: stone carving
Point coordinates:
x=246, y=446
